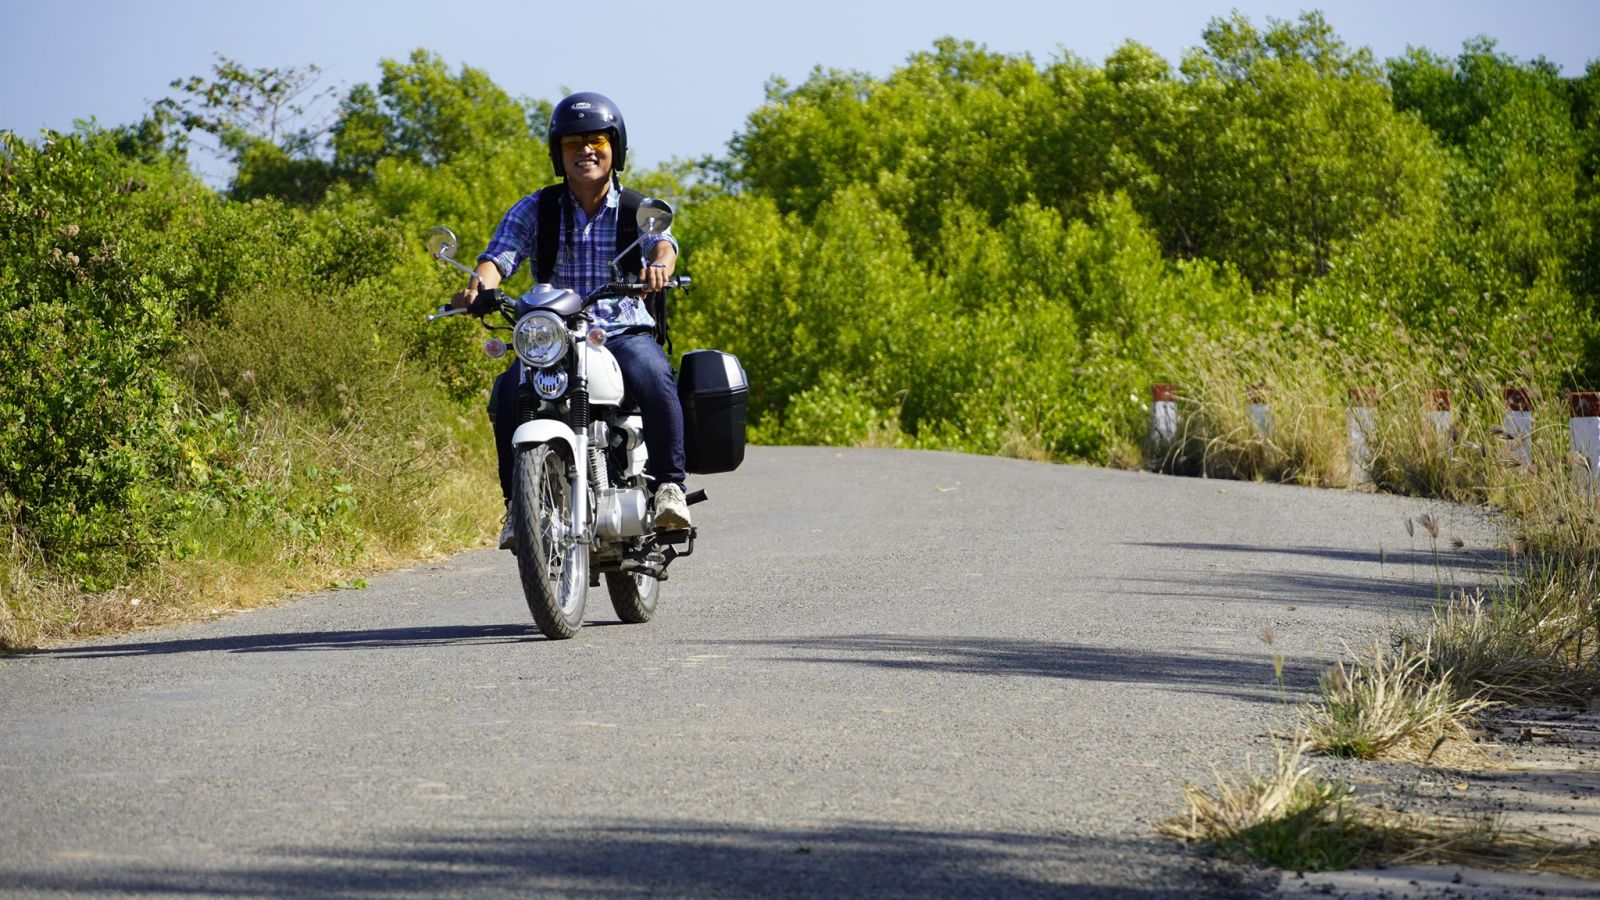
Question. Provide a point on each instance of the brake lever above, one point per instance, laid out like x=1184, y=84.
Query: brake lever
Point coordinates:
x=448, y=310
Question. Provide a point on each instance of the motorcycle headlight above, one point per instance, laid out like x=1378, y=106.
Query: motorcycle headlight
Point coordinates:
x=540, y=338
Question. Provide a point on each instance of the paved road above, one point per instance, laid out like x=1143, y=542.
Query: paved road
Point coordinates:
x=882, y=673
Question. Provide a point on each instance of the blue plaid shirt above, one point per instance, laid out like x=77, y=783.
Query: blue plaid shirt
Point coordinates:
x=583, y=267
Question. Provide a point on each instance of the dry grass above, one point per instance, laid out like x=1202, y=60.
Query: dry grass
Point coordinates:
x=1530, y=644
x=1539, y=639
x=1287, y=816
x=1390, y=704
x=1535, y=640
x=1303, y=438
x=1482, y=843
x=410, y=502
x=40, y=609
x=1291, y=817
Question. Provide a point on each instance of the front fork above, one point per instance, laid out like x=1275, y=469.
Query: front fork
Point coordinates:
x=579, y=406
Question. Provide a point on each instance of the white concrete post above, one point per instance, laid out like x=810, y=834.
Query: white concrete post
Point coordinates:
x=1439, y=414
x=1519, y=425
x=1360, y=424
x=1163, y=414
x=1257, y=409
x=1586, y=436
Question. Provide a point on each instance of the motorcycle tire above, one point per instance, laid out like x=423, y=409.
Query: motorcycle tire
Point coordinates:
x=554, y=570
x=633, y=596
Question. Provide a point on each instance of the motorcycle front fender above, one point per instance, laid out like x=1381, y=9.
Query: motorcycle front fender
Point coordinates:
x=545, y=431
x=549, y=431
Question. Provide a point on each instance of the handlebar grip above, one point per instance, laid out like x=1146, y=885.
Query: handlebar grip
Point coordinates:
x=636, y=287
x=487, y=301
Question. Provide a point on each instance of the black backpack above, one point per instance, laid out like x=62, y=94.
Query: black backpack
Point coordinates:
x=553, y=225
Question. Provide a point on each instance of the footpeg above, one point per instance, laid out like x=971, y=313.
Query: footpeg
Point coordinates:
x=679, y=536
x=685, y=537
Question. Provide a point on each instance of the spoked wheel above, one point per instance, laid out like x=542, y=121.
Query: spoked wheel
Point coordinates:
x=554, y=566
x=633, y=596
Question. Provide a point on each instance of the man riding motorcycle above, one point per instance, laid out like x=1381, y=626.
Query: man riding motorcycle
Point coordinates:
x=588, y=143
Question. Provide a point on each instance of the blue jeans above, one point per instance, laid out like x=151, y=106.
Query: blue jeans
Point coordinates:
x=647, y=381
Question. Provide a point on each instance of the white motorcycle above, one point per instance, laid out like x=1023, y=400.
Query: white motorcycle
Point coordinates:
x=580, y=506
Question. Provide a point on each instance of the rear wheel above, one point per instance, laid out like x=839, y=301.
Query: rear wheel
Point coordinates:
x=553, y=564
x=633, y=596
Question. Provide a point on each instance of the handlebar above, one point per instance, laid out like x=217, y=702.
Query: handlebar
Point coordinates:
x=448, y=310
x=627, y=288
x=491, y=299
x=488, y=300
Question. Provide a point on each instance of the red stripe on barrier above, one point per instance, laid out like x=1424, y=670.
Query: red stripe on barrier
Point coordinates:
x=1585, y=404
x=1364, y=396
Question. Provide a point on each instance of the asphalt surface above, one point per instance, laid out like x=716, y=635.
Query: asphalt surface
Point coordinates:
x=882, y=673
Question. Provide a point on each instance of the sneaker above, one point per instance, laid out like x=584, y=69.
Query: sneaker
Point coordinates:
x=508, y=535
x=672, y=513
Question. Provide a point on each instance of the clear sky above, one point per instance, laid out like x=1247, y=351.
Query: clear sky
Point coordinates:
x=685, y=72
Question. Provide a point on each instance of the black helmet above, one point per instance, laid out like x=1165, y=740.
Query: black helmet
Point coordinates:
x=584, y=112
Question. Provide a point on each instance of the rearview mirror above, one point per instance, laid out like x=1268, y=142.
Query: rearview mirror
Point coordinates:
x=442, y=243
x=655, y=216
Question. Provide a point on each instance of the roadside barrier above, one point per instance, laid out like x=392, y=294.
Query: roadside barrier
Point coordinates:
x=1256, y=407
x=1361, y=425
x=1586, y=436
x=1163, y=416
x=1439, y=414
x=1519, y=425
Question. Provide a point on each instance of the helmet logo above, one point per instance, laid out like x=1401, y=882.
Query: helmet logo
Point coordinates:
x=583, y=105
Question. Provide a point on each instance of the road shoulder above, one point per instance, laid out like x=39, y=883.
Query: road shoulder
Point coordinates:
x=1542, y=778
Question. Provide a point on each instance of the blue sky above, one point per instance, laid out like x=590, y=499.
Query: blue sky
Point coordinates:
x=685, y=73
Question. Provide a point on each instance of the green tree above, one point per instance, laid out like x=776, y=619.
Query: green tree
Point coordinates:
x=1298, y=148
x=1518, y=215
x=956, y=124
x=259, y=120
x=422, y=113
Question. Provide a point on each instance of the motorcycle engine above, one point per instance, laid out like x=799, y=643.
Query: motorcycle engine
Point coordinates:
x=620, y=513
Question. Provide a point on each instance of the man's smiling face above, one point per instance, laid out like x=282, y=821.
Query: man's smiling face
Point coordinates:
x=586, y=157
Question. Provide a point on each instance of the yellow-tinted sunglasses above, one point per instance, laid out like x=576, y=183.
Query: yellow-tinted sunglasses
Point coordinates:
x=599, y=140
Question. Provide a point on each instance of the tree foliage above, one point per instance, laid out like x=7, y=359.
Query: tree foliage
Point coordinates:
x=86, y=453
x=422, y=113
x=978, y=251
x=262, y=122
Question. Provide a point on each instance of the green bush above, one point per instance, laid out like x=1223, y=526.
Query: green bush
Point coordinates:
x=87, y=451
x=977, y=252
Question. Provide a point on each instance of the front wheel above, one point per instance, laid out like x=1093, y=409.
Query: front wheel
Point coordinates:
x=553, y=562
x=633, y=596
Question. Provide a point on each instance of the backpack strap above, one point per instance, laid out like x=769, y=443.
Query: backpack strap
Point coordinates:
x=628, y=230
x=549, y=237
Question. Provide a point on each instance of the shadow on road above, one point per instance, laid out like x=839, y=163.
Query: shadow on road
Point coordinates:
x=381, y=638
x=677, y=859
x=1400, y=582
x=1240, y=677
x=1292, y=588
x=1446, y=564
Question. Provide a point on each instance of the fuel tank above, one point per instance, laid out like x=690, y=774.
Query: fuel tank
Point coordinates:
x=605, y=377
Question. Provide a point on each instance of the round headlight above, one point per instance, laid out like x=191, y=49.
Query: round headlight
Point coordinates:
x=540, y=339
